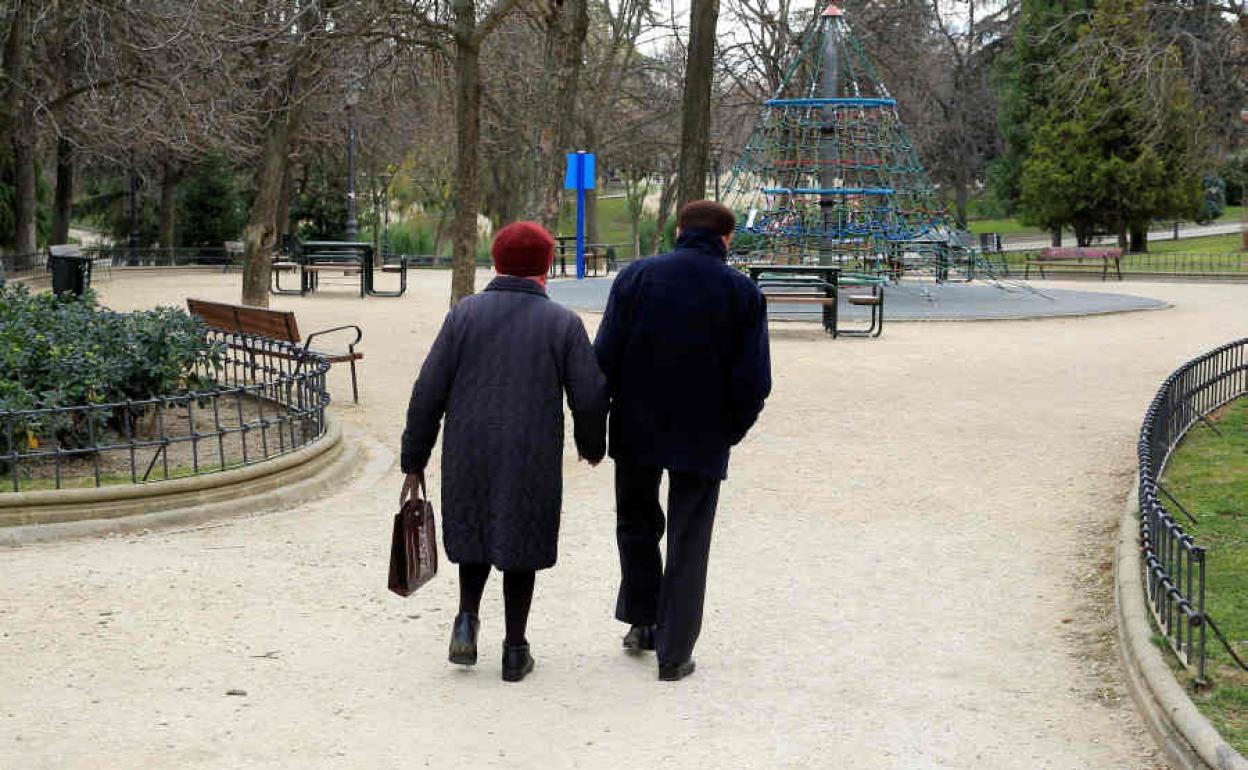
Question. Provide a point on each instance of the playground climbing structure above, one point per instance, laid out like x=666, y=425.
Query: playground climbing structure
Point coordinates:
x=829, y=175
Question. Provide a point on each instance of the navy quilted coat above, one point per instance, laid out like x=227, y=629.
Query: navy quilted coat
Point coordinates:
x=498, y=372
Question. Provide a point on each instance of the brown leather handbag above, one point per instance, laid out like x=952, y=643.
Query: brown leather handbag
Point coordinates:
x=414, y=546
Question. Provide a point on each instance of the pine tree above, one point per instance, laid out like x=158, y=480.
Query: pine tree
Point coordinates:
x=1025, y=86
x=1119, y=148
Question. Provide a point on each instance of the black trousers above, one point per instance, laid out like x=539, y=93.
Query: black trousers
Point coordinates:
x=671, y=598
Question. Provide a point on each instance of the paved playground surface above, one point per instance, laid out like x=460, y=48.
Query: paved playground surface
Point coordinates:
x=921, y=301
x=911, y=569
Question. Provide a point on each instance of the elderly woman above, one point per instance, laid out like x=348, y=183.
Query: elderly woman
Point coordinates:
x=498, y=371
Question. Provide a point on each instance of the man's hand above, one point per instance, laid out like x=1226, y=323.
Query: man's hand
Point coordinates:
x=412, y=484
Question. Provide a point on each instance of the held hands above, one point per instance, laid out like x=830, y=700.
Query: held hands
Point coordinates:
x=412, y=484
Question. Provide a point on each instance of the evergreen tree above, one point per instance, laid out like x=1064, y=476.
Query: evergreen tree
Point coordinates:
x=211, y=210
x=1119, y=149
x=1024, y=78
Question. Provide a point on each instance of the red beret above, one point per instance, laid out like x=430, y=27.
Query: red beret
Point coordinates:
x=523, y=249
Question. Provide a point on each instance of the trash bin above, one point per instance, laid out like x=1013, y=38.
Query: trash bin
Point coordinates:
x=990, y=243
x=71, y=271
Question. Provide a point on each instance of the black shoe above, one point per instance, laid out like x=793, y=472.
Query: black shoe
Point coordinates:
x=676, y=671
x=464, y=639
x=517, y=662
x=639, y=639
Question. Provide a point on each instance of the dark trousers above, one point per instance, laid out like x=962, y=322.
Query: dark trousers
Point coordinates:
x=671, y=598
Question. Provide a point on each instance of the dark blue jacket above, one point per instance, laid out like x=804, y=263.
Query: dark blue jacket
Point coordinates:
x=683, y=344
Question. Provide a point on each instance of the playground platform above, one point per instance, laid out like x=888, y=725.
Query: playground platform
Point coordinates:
x=918, y=301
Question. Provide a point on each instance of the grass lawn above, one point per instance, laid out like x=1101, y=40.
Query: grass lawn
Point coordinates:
x=1003, y=226
x=1231, y=214
x=613, y=225
x=1209, y=244
x=1209, y=474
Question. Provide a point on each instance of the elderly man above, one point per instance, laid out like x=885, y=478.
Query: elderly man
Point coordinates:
x=683, y=344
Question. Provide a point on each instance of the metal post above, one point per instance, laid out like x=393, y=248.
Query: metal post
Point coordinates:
x=828, y=172
x=353, y=228
x=580, y=215
x=385, y=214
x=133, y=241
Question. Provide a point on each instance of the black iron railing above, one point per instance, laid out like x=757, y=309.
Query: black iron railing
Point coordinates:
x=159, y=256
x=23, y=267
x=264, y=398
x=1174, y=566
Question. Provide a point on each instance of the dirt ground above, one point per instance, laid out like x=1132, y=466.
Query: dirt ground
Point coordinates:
x=910, y=570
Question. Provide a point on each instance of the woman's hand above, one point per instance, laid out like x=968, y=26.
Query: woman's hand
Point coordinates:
x=412, y=484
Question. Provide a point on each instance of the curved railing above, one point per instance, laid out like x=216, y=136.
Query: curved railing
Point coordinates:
x=265, y=398
x=1174, y=566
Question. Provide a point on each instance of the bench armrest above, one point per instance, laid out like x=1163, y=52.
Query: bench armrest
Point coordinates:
x=359, y=334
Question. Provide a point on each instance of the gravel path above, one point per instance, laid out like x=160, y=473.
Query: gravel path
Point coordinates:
x=910, y=570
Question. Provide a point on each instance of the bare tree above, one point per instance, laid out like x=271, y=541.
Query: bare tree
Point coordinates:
x=696, y=114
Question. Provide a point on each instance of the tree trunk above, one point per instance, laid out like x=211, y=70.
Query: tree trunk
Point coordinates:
x=1055, y=237
x=260, y=234
x=665, y=209
x=439, y=233
x=695, y=126
x=1139, y=239
x=566, y=29
x=960, y=196
x=283, y=204
x=591, y=216
x=16, y=121
x=63, y=210
x=170, y=177
x=25, y=201
x=468, y=136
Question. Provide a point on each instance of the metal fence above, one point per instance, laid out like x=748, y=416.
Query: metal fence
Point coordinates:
x=159, y=256
x=1174, y=566
x=1233, y=266
x=14, y=267
x=265, y=398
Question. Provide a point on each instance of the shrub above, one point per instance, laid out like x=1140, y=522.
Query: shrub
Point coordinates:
x=410, y=238
x=60, y=351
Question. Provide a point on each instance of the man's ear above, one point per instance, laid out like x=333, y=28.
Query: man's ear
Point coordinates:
x=728, y=240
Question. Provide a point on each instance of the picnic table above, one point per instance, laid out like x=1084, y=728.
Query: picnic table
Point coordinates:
x=351, y=258
x=821, y=285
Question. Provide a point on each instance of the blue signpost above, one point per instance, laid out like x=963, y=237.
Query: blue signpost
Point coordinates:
x=580, y=177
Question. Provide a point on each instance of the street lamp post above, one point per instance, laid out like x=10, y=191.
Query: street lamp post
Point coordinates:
x=353, y=98
x=1243, y=192
x=716, y=150
x=386, y=178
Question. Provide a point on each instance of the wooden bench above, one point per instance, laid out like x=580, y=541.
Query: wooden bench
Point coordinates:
x=1073, y=259
x=277, y=325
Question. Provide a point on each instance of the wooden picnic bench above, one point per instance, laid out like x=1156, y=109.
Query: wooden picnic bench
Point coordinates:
x=277, y=325
x=1073, y=259
x=820, y=285
x=352, y=259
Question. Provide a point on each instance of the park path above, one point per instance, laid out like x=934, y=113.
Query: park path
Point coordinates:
x=910, y=570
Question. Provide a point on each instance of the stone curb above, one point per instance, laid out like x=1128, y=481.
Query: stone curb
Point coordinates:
x=280, y=483
x=1187, y=737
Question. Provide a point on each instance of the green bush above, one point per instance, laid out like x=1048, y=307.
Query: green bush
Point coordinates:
x=60, y=351
x=410, y=238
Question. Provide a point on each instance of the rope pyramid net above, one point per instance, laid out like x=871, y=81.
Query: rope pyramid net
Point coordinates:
x=830, y=176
